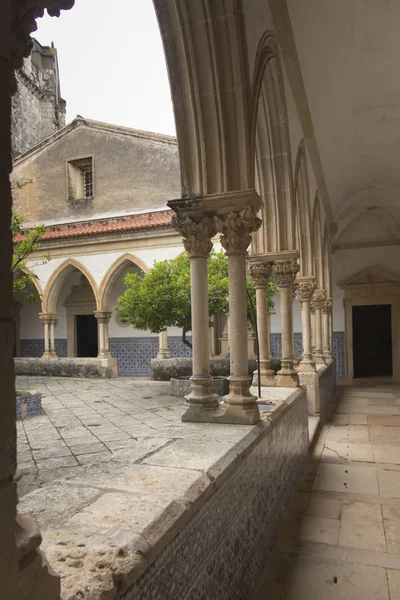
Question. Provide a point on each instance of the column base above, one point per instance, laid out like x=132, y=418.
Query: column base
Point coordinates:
x=287, y=376
x=104, y=354
x=307, y=365
x=319, y=358
x=48, y=355
x=222, y=413
x=328, y=355
x=239, y=407
x=267, y=378
x=162, y=355
x=201, y=393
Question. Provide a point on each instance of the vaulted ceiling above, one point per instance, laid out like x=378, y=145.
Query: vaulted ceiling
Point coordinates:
x=349, y=52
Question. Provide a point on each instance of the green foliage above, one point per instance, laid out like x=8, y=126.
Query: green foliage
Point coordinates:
x=161, y=298
x=29, y=242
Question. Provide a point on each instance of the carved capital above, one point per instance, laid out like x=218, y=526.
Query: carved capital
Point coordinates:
x=103, y=316
x=48, y=318
x=285, y=272
x=236, y=229
x=305, y=291
x=327, y=306
x=260, y=274
x=318, y=299
x=196, y=235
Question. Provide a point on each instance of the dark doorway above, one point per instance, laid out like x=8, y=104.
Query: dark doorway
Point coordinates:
x=372, y=340
x=86, y=336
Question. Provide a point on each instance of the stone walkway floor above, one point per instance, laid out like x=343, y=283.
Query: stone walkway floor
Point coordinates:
x=341, y=536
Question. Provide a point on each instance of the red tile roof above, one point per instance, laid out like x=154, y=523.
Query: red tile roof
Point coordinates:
x=98, y=227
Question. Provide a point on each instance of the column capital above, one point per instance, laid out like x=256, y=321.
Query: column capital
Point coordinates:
x=305, y=290
x=48, y=318
x=285, y=272
x=260, y=274
x=327, y=306
x=196, y=234
x=318, y=298
x=236, y=229
x=102, y=316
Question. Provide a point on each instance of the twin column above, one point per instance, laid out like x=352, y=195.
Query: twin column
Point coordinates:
x=49, y=320
x=103, y=319
x=239, y=406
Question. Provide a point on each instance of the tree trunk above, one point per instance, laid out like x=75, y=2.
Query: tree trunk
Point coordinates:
x=185, y=341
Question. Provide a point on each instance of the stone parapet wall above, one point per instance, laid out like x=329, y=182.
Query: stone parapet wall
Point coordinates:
x=66, y=367
x=224, y=546
x=320, y=388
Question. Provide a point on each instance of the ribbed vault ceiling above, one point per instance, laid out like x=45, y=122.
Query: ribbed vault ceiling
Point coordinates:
x=349, y=52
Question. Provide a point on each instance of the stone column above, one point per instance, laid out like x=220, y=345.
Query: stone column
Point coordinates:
x=318, y=299
x=285, y=272
x=261, y=275
x=197, y=241
x=163, y=345
x=305, y=291
x=326, y=335
x=294, y=298
x=103, y=318
x=236, y=228
x=49, y=320
x=52, y=324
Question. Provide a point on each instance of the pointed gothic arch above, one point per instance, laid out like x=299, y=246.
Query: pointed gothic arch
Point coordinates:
x=112, y=275
x=304, y=238
x=57, y=279
x=271, y=149
x=317, y=244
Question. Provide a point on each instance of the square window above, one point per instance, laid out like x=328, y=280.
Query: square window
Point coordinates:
x=80, y=178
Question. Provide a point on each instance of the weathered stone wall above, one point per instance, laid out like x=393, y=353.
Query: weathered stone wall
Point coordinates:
x=66, y=367
x=37, y=109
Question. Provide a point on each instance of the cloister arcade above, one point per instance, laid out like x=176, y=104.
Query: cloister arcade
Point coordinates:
x=254, y=173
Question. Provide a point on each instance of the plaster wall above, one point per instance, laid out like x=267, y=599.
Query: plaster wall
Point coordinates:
x=130, y=173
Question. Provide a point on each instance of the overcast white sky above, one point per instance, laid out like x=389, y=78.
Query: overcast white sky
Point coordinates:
x=111, y=61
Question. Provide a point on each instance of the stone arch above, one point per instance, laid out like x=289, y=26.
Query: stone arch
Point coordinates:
x=112, y=274
x=206, y=55
x=327, y=261
x=271, y=149
x=304, y=239
x=57, y=279
x=317, y=244
x=35, y=282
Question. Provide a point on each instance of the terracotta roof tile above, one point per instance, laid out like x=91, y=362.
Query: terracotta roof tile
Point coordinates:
x=96, y=227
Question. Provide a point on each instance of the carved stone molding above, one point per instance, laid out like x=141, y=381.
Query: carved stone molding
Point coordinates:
x=305, y=291
x=236, y=229
x=102, y=316
x=285, y=272
x=318, y=299
x=260, y=274
x=24, y=15
x=294, y=291
x=327, y=306
x=196, y=235
x=372, y=291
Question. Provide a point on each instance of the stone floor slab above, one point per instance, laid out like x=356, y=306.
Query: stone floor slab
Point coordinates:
x=311, y=578
x=346, y=478
x=361, y=526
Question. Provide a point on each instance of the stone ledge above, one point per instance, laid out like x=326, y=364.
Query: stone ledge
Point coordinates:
x=67, y=367
x=105, y=528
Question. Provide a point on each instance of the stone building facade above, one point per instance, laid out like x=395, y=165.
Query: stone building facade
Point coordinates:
x=37, y=107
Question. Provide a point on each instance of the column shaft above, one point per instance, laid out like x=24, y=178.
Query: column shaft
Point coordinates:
x=285, y=272
x=319, y=298
x=46, y=339
x=163, y=345
x=305, y=290
x=261, y=274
